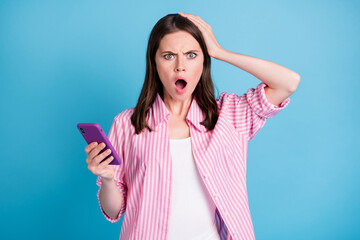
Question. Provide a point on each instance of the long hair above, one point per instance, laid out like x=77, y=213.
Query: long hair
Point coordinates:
x=204, y=91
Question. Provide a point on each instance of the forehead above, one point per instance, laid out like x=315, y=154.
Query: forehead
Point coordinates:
x=178, y=40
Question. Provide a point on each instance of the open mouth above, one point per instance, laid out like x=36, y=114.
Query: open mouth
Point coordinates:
x=180, y=83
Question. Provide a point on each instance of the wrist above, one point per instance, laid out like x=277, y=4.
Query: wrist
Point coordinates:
x=218, y=53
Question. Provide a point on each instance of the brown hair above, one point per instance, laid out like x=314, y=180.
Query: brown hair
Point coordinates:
x=204, y=91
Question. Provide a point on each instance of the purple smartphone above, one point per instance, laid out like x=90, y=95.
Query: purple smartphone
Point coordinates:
x=92, y=132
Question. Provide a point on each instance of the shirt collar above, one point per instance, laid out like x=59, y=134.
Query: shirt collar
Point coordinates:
x=159, y=112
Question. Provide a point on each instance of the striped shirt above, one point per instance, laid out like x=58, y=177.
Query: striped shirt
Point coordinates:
x=144, y=177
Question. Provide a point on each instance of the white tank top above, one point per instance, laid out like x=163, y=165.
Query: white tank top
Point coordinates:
x=192, y=210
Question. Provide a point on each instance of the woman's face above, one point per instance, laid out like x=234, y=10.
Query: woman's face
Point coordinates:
x=179, y=56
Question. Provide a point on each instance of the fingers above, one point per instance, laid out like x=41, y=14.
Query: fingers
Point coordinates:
x=95, y=151
x=105, y=163
x=92, y=151
x=101, y=157
x=195, y=19
x=96, y=162
x=187, y=14
x=89, y=147
x=101, y=169
x=198, y=21
x=207, y=33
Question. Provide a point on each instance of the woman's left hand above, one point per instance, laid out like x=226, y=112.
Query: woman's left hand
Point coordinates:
x=211, y=44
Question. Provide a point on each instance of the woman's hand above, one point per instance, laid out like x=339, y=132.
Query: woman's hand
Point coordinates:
x=93, y=159
x=212, y=45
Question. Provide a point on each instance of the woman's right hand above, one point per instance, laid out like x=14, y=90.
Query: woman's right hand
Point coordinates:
x=93, y=159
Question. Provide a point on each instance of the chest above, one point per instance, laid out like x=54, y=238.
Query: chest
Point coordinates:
x=178, y=128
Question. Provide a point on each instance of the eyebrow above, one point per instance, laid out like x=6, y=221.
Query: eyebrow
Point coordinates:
x=175, y=53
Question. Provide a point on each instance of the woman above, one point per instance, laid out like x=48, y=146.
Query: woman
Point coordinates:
x=183, y=174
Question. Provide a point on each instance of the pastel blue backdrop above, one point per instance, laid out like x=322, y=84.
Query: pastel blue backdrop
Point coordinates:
x=65, y=62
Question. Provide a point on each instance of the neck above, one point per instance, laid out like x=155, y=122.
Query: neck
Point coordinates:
x=178, y=108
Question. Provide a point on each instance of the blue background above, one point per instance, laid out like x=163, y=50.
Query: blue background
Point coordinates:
x=65, y=62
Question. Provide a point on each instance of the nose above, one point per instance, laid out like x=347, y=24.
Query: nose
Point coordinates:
x=178, y=69
x=179, y=66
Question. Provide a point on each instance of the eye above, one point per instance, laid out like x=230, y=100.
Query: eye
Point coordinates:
x=192, y=55
x=168, y=56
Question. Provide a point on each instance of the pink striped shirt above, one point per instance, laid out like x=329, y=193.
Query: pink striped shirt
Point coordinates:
x=144, y=178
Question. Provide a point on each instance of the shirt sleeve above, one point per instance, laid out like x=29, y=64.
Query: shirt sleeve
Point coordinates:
x=248, y=113
x=116, y=138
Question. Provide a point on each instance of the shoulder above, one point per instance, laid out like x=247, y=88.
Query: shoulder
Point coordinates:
x=226, y=99
x=251, y=95
x=124, y=118
x=254, y=99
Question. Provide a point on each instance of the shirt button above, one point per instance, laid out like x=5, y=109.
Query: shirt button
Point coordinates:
x=234, y=233
x=225, y=214
x=205, y=176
